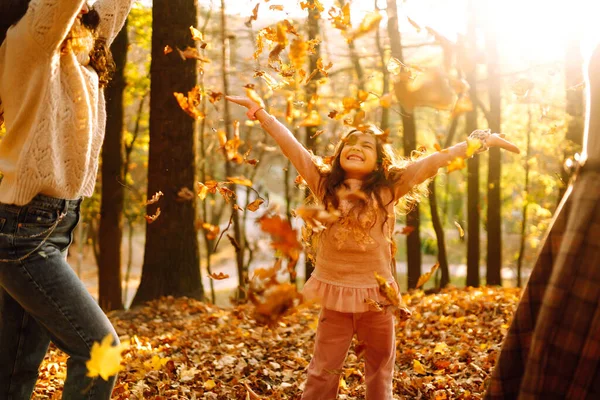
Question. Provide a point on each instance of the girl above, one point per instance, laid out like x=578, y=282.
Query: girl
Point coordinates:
x=356, y=246
x=54, y=63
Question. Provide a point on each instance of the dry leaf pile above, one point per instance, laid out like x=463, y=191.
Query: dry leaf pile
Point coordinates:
x=185, y=349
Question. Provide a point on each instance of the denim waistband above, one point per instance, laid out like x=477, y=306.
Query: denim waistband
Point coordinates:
x=53, y=203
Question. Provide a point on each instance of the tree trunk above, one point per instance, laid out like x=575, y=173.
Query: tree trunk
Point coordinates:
x=111, y=206
x=229, y=167
x=525, y=199
x=171, y=259
x=413, y=240
x=494, y=206
x=385, y=76
x=311, y=89
x=473, y=219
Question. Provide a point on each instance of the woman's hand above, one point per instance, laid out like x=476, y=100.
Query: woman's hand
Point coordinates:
x=243, y=101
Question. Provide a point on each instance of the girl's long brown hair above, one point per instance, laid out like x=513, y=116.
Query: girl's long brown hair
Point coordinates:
x=387, y=174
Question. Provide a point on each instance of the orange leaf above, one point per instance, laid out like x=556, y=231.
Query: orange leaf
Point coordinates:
x=254, y=205
x=240, y=181
x=254, y=16
x=456, y=164
x=155, y=198
x=426, y=276
x=218, y=276
x=152, y=218
x=167, y=50
x=276, y=7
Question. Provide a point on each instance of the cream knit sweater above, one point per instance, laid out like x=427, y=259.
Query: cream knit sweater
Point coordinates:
x=54, y=110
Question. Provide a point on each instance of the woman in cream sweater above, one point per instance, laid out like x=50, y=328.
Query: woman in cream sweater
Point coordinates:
x=54, y=63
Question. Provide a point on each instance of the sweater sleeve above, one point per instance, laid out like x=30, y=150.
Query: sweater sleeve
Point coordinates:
x=113, y=14
x=50, y=21
x=427, y=167
x=294, y=151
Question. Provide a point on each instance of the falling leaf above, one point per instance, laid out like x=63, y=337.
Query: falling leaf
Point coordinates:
x=313, y=119
x=191, y=53
x=276, y=7
x=252, y=95
x=340, y=18
x=105, y=359
x=213, y=96
x=414, y=24
x=314, y=4
x=418, y=367
x=317, y=133
x=456, y=164
x=318, y=213
x=253, y=17
x=185, y=194
x=407, y=230
x=218, y=276
x=151, y=218
x=167, y=50
x=211, y=231
x=395, y=66
x=254, y=205
x=198, y=37
x=426, y=276
x=191, y=104
x=155, y=198
x=240, y=180
x=385, y=101
x=284, y=237
x=522, y=87
x=461, y=231
x=463, y=105
x=473, y=144
x=369, y=23
x=430, y=88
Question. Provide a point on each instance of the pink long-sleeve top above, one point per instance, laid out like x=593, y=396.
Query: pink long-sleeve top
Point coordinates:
x=350, y=250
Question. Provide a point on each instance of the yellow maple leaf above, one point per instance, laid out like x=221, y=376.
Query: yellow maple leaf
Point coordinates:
x=457, y=163
x=105, y=359
x=419, y=368
x=472, y=146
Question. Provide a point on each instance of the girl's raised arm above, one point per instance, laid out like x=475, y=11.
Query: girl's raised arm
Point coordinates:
x=290, y=146
x=427, y=167
x=113, y=14
x=49, y=21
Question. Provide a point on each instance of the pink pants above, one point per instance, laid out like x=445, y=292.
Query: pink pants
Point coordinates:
x=333, y=338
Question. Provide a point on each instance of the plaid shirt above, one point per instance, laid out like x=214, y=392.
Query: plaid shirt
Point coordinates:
x=552, y=349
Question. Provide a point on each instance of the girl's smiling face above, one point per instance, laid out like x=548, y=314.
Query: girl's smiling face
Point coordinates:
x=358, y=157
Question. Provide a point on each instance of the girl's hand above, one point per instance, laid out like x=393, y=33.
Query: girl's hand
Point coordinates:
x=243, y=101
x=497, y=140
x=492, y=140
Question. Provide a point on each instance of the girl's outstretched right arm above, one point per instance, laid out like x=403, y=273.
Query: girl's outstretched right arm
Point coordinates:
x=290, y=146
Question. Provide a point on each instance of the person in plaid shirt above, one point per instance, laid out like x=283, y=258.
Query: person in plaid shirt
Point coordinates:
x=552, y=350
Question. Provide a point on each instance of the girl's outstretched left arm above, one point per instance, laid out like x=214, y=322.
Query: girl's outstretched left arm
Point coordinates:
x=113, y=14
x=427, y=167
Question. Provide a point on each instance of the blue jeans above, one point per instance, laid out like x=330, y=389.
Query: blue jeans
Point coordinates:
x=42, y=299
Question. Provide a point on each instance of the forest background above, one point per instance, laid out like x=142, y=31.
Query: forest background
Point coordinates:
x=182, y=169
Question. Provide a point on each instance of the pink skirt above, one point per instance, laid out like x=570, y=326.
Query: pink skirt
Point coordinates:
x=343, y=298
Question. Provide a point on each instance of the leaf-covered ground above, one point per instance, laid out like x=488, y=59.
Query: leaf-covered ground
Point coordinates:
x=185, y=349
